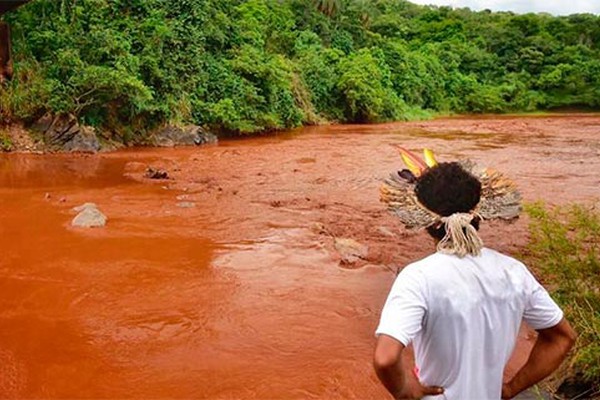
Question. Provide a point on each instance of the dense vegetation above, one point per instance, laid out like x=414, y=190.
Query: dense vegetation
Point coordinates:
x=246, y=66
x=565, y=250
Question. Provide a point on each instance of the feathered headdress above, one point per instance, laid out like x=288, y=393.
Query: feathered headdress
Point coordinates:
x=500, y=199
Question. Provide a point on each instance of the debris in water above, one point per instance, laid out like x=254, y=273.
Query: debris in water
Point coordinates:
x=158, y=173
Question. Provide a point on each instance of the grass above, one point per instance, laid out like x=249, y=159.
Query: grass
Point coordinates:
x=564, y=250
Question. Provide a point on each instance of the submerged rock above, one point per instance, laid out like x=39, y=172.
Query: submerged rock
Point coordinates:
x=89, y=216
x=318, y=228
x=350, y=250
x=152, y=173
x=385, y=231
x=189, y=135
x=186, y=204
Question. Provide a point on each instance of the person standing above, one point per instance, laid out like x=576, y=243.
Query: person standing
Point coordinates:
x=462, y=306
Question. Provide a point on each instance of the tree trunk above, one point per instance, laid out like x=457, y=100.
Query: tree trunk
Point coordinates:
x=6, y=70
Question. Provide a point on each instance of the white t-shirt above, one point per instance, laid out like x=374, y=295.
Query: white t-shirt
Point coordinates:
x=463, y=317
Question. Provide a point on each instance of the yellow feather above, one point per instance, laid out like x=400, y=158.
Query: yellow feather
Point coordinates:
x=412, y=167
x=429, y=158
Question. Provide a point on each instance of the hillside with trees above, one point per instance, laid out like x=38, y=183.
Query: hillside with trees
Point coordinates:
x=239, y=67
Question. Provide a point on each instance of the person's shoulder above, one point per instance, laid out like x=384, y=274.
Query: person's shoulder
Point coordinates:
x=434, y=262
x=426, y=263
x=497, y=257
x=501, y=261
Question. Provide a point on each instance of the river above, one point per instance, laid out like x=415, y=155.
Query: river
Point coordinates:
x=223, y=282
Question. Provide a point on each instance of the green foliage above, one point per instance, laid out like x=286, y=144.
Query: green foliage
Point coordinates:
x=26, y=97
x=565, y=249
x=249, y=66
x=319, y=72
x=366, y=89
x=486, y=99
x=5, y=141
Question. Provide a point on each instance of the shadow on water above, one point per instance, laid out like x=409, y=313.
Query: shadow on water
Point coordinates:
x=38, y=171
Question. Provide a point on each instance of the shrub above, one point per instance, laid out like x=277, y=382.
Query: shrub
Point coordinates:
x=365, y=86
x=318, y=68
x=5, y=142
x=565, y=250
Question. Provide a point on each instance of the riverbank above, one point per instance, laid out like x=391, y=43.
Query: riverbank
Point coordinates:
x=257, y=66
x=68, y=136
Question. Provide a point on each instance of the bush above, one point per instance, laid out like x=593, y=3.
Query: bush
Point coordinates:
x=5, y=141
x=365, y=86
x=565, y=250
x=486, y=99
x=417, y=76
x=319, y=72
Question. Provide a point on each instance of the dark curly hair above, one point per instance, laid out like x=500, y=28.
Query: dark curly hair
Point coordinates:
x=446, y=189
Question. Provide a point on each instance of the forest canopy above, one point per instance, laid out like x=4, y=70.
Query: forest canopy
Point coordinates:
x=248, y=66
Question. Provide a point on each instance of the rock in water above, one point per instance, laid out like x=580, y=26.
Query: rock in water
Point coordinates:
x=189, y=135
x=152, y=173
x=89, y=216
x=385, y=231
x=350, y=250
x=65, y=134
x=85, y=141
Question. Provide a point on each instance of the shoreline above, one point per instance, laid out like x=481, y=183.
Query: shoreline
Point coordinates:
x=16, y=139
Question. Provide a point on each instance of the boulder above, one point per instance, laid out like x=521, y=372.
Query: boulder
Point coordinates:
x=89, y=216
x=85, y=141
x=188, y=135
x=84, y=206
x=64, y=133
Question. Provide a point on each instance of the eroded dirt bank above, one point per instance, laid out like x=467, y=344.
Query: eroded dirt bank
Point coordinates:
x=223, y=282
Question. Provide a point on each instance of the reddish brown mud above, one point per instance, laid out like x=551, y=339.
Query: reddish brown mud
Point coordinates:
x=223, y=282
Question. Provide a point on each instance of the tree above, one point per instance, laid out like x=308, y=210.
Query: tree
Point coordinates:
x=328, y=7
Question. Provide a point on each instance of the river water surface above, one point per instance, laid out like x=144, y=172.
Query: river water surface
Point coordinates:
x=223, y=282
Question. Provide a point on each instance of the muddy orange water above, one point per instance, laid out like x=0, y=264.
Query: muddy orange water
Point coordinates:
x=223, y=282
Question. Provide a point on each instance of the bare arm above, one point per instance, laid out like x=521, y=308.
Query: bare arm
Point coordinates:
x=402, y=384
x=550, y=349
